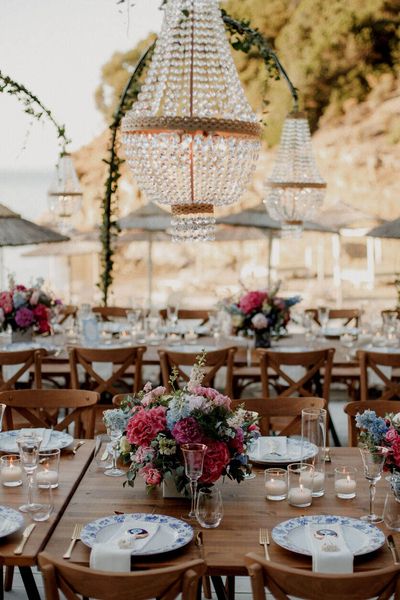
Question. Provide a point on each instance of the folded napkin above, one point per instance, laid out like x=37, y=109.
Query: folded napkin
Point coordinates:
x=41, y=432
x=275, y=445
x=115, y=553
x=330, y=553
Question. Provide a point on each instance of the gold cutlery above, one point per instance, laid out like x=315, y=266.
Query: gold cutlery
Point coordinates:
x=77, y=446
x=392, y=547
x=27, y=532
x=264, y=541
x=76, y=535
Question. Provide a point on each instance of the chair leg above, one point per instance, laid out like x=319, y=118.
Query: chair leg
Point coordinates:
x=205, y=580
x=230, y=587
x=334, y=434
x=8, y=579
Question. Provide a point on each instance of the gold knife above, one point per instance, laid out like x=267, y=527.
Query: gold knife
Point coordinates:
x=392, y=547
x=27, y=532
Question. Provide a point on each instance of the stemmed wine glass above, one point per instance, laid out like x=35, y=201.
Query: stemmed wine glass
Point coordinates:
x=172, y=314
x=29, y=446
x=373, y=461
x=193, y=455
x=323, y=317
x=115, y=432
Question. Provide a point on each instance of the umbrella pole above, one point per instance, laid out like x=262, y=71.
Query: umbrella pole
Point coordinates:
x=150, y=271
x=269, y=258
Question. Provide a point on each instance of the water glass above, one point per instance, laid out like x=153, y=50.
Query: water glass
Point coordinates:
x=48, y=468
x=209, y=507
x=323, y=317
x=103, y=451
x=313, y=431
x=42, y=501
x=115, y=434
x=391, y=512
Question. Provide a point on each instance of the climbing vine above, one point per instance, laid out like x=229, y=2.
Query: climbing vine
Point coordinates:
x=242, y=38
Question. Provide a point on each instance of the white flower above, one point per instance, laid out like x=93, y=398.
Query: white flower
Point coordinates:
x=259, y=321
x=396, y=419
x=196, y=377
x=237, y=320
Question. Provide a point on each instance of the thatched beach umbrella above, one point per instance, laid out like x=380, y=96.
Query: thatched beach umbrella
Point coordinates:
x=390, y=229
x=16, y=231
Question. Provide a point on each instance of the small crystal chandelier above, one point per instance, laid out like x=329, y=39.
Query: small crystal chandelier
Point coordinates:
x=65, y=193
x=192, y=139
x=295, y=189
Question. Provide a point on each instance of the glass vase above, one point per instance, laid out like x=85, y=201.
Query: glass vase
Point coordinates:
x=262, y=338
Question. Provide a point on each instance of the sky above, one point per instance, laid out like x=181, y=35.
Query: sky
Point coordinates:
x=56, y=48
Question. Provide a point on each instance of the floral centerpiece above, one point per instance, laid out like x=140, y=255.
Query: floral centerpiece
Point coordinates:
x=381, y=431
x=26, y=309
x=262, y=312
x=159, y=422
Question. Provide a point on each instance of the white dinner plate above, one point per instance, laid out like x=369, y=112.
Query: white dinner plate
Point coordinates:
x=58, y=439
x=336, y=332
x=361, y=537
x=171, y=534
x=10, y=520
x=293, y=453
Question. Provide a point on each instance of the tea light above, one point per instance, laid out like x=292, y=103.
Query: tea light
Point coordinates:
x=300, y=496
x=314, y=481
x=275, y=484
x=345, y=483
x=11, y=472
x=47, y=477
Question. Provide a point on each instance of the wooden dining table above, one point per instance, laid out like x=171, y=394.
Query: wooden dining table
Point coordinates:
x=246, y=510
x=72, y=469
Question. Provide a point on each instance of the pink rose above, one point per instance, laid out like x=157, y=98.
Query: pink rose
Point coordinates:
x=187, y=431
x=6, y=302
x=391, y=435
x=151, y=475
x=251, y=301
x=144, y=425
x=153, y=395
x=206, y=392
x=216, y=458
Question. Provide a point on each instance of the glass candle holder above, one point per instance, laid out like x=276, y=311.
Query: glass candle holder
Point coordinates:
x=345, y=482
x=300, y=494
x=276, y=486
x=314, y=480
x=11, y=470
x=48, y=468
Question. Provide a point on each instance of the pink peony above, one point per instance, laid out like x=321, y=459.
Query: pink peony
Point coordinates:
x=252, y=301
x=216, y=458
x=6, y=302
x=41, y=312
x=151, y=475
x=144, y=453
x=144, y=425
x=24, y=318
x=392, y=436
x=207, y=392
x=221, y=400
x=187, y=431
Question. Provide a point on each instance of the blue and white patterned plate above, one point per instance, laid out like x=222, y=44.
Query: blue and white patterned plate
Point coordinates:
x=10, y=520
x=58, y=439
x=293, y=453
x=360, y=537
x=171, y=535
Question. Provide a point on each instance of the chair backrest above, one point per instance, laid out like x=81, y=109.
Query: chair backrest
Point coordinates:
x=66, y=311
x=188, y=313
x=307, y=382
x=14, y=365
x=107, y=313
x=390, y=311
x=268, y=408
x=346, y=315
x=381, y=364
x=164, y=584
x=215, y=360
x=40, y=408
x=122, y=360
x=283, y=582
x=381, y=407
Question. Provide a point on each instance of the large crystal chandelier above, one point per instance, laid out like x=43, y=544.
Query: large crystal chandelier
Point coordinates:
x=295, y=189
x=191, y=139
x=65, y=193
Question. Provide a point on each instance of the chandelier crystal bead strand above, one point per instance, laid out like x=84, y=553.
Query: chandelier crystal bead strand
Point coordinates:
x=192, y=139
x=295, y=189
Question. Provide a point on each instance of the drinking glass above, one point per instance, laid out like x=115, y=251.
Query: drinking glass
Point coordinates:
x=48, y=468
x=373, y=461
x=209, y=507
x=348, y=340
x=29, y=454
x=115, y=434
x=172, y=313
x=313, y=431
x=103, y=451
x=42, y=505
x=2, y=409
x=323, y=317
x=193, y=455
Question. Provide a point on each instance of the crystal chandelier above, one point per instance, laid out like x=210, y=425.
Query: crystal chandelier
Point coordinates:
x=295, y=189
x=192, y=139
x=65, y=194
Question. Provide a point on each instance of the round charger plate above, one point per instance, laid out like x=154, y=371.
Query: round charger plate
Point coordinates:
x=293, y=453
x=58, y=439
x=360, y=537
x=171, y=535
x=10, y=520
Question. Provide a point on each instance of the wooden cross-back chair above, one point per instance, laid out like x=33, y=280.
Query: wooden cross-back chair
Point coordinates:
x=381, y=407
x=66, y=311
x=164, y=583
x=390, y=311
x=188, y=313
x=22, y=362
x=270, y=408
x=107, y=313
x=282, y=582
x=311, y=382
x=375, y=361
x=41, y=408
x=348, y=316
x=215, y=360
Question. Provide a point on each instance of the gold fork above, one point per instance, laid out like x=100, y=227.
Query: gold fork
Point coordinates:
x=76, y=535
x=264, y=541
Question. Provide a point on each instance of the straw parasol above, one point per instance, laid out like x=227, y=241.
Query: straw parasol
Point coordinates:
x=390, y=229
x=16, y=231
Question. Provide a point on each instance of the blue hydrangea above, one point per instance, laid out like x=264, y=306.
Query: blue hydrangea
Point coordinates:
x=116, y=418
x=375, y=426
x=292, y=301
x=19, y=299
x=178, y=408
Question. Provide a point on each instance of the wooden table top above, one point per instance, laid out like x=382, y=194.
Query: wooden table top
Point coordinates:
x=72, y=467
x=245, y=511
